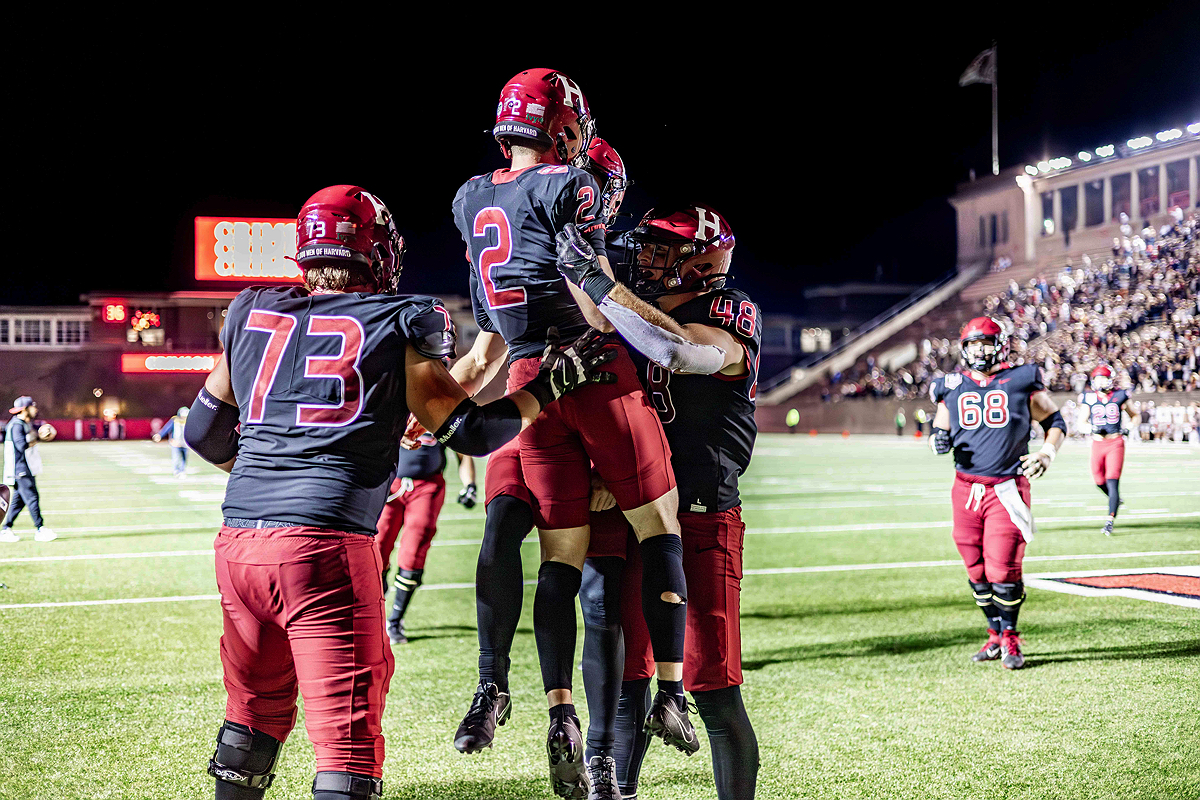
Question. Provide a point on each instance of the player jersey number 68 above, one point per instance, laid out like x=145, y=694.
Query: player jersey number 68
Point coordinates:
x=993, y=412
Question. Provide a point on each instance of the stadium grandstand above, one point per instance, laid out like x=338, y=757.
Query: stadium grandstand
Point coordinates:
x=1086, y=260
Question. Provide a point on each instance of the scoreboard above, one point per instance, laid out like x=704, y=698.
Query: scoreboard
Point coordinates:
x=246, y=250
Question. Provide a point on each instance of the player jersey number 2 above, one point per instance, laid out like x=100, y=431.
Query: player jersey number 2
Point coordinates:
x=495, y=256
x=342, y=367
x=992, y=411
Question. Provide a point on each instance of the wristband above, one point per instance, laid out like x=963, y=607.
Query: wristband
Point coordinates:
x=1049, y=450
x=598, y=286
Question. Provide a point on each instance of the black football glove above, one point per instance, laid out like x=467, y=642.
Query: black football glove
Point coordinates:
x=578, y=263
x=565, y=369
x=467, y=496
x=940, y=441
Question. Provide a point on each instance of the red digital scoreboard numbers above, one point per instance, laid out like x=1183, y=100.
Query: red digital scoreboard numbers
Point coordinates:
x=246, y=250
x=169, y=363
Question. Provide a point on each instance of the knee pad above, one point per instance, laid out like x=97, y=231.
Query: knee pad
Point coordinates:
x=244, y=757
x=1008, y=595
x=346, y=786
x=982, y=592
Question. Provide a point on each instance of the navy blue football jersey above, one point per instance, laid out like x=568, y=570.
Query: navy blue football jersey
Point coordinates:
x=1104, y=409
x=423, y=462
x=319, y=382
x=508, y=221
x=989, y=421
x=709, y=419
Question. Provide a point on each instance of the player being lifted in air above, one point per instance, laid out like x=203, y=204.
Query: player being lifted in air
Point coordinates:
x=508, y=220
x=697, y=350
x=304, y=409
x=984, y=414
x=1105, y=406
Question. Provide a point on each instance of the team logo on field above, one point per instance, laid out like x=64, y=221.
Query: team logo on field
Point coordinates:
x=1174, y=585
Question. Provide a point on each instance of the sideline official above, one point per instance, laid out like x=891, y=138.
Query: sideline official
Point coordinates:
x=22, y=464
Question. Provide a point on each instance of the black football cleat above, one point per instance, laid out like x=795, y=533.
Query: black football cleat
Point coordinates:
x=1010, y=644
x=1108, y=527
x=602, y=773
x=564, y=746
x=991, y=648
x=489, y=708
x=669, y=721
x=395, y=631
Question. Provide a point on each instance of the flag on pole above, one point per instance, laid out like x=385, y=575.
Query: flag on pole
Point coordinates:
x=982, y=69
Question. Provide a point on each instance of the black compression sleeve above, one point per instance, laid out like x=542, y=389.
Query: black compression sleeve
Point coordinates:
x=476, y=430
x=1055, y=420
x=211, y=429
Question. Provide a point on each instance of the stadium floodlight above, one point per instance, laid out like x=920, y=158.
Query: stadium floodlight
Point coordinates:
x=1106, y=151
x=1168, y=136
x=1060, y=163
x=1140, y=142
x=1194, y=128
x=1084, y=155
x=1044, y=166
x=1032, y=170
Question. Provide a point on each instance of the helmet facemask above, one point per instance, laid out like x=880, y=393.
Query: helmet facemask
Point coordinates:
x=387, y=253
x=1101, y=383
x=572, y=144
x=982, y=353
x=663, y=266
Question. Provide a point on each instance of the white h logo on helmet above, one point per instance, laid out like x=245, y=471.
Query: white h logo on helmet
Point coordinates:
x=704, y=224
x=572, y=94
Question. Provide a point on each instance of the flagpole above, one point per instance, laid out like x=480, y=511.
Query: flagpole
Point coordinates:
x=995, y=118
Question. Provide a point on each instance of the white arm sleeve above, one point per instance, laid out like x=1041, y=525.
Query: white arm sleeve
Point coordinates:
x=662, y=347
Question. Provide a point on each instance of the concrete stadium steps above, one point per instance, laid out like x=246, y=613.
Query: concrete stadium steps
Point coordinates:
x=996, y=282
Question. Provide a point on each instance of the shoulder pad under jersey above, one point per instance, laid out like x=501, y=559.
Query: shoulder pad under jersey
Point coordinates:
x=427, y=325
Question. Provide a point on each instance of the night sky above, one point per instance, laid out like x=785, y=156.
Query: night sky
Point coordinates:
x=830, y=150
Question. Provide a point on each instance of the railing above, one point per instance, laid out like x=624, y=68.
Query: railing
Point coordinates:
x=814, y=360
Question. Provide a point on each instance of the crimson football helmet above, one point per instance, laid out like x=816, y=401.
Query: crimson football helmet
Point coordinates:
x=606, y=166
x=984, y=344
x=548, y=107
x=1102, y=378
x=681, y=250
x=343, y=225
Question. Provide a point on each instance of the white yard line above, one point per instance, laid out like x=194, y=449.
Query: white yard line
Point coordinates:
x=958, y=563
x=889, y=526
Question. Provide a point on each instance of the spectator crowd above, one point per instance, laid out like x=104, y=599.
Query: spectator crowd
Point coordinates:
x=1138, y=311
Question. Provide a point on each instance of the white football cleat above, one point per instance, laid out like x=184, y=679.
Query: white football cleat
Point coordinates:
x=44, y=534
x=7, y=535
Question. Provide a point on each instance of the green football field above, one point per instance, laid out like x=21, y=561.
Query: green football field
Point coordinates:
x=857, y=624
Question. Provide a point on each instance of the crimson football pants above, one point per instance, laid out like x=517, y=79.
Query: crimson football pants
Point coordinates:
x=712, y=561
x=416, y=511
x=303, y=612
x=990, y=543
x=1108, y=459
x=611, y=426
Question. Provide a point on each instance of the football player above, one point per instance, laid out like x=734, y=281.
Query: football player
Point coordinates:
x=697, y=353
x=413, y=503
x=303, y=410
x=1105, y=406
x=984, y=414
x=509, y=219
